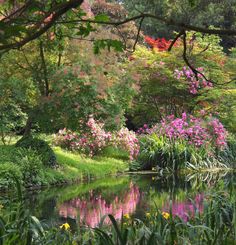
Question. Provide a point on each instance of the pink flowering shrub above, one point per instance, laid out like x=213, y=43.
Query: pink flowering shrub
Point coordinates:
x=95, y=138
x=186, y=141
x=196, y=131
x=128, y=141
x=90, y=142
x=194, y=85
x=66, y=138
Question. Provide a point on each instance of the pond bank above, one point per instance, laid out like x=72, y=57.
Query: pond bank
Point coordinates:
x=72, y=168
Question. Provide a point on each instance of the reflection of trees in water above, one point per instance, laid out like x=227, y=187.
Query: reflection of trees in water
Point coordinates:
x=90, y=211
x=142, y=195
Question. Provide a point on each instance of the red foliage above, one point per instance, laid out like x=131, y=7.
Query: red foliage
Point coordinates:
x=160, y=43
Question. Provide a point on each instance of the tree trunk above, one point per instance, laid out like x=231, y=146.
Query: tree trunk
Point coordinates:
x=28, y=126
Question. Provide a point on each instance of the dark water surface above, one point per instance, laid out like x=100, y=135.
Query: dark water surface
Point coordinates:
x=133, y=195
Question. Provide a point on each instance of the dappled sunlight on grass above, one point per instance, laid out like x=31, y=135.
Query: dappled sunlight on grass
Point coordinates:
x=72, y=165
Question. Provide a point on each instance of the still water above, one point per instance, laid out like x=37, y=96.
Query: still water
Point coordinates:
x=134, y=195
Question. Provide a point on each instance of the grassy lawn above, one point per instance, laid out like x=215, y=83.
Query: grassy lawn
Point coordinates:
x=74, y=167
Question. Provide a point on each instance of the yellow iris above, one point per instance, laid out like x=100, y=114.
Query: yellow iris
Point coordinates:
x=148, y=215
x=65, y=226
x=126, y=216
x=166, y=215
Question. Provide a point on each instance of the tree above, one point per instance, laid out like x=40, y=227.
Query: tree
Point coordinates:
x=165, y=85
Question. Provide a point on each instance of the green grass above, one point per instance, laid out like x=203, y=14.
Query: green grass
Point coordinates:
x=73, y=167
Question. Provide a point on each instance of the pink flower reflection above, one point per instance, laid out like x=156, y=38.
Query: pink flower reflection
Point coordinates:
x=186, y=209
x=91, y=211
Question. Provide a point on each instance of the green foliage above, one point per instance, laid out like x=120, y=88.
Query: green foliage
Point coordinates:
x=8, y=170
x=41, y=148
x=31, y=166
x=12, y=119
x=160, y=92
x=76, y=167
x=108, y=43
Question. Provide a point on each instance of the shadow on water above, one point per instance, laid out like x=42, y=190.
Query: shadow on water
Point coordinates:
x=134, y=195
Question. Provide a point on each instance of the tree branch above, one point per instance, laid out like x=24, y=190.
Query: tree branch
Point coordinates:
x=139, y=30
x=44, y=68
x=175, y=40
x=56, y=13
x=169, y=22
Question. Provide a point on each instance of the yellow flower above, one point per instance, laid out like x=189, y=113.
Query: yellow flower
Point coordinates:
x=148, y=215
x=65, y=226
x=166, y=215
x=126, y=216
x=153, y=169
x=153, y=178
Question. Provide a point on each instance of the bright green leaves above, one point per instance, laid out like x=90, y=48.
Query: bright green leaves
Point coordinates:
x=102, y=18
x=107, y=43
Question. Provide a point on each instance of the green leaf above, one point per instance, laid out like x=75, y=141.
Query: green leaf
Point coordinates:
x=84, y=30
x=107, y=43
x=102, y=18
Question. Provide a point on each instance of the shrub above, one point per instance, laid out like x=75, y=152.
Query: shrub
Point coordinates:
x=207, y=132
x=41, y=147
x=7, y=171
x=95, y=139
x=162, y=152
x=30, y=164
x=128, y=141
x=90, y=142
x=158, y=151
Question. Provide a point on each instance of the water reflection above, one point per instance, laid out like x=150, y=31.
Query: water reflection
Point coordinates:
x=90, y=210
x=134, y=195
x=187, y=208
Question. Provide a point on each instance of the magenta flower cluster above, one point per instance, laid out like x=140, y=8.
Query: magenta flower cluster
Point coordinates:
x=194, y=84
x=95, y=138
x=218, y=132
x=196, y=131
x=144, y=130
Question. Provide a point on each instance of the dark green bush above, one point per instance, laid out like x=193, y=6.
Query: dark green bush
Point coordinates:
x=31, y=166
x=7, y=171
x=41, y=147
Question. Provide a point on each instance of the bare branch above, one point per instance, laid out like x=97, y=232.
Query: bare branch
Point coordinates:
x=138, y=34
x=194, y=70
x=175, y=40
x=169, y=22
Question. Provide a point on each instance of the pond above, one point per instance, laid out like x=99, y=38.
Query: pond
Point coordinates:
x=132, y=195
